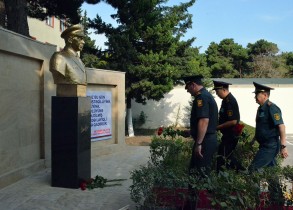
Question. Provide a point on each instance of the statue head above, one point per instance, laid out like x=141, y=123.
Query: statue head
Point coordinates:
x=74, y=36
x=68, y=71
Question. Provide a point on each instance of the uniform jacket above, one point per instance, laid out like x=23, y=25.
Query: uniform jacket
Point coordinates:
x=268, y=118
x=67, y=68
x=204, y=106
x=229, y=111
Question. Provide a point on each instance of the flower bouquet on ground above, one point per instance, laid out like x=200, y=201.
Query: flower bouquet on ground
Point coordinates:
x=99, y=182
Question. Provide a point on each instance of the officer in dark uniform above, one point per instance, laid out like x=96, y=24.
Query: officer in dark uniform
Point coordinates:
x=203, y=123
x=271, y=136
x=269, y=131
x=229, y=117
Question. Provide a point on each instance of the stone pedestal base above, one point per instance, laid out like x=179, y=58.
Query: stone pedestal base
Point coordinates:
x=71, y=90
x=71, y=141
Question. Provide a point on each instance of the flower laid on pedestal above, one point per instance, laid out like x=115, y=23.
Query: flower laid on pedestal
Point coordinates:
x=98, y=182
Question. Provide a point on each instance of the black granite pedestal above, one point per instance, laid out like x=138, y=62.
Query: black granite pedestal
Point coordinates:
x=71, y=141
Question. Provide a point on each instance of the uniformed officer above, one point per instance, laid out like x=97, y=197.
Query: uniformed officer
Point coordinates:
x=270, y=134
x=203, y=123
x=229, y=117
x=269, y=131
x=66, y=66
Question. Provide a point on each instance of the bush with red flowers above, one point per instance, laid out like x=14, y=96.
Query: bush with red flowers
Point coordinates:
x=172, y=132
x=160, y=131
x=164, y=182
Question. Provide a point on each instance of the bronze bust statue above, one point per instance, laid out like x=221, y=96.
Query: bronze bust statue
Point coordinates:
x=66, y=66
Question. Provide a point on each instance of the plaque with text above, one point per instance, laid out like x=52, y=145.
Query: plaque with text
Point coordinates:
x=101, y=115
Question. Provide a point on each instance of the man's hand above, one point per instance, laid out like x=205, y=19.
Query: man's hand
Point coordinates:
x=284, y=153
x=198, y=151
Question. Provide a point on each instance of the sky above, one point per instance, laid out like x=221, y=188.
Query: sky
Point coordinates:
x=245, y=21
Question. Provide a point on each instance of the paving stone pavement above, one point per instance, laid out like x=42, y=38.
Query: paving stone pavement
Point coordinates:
x=35, y=192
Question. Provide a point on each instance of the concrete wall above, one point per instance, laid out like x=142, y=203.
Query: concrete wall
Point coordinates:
x=24, y=105
x=165, y=111
x=104, y=80
x=26, y=89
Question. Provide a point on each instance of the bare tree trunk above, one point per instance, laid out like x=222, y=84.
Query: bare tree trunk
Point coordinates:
x=129, y=118
x=240, y=72
x=16, y=11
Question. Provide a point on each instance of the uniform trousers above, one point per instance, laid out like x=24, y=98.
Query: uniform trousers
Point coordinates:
x=203, y=164
x=225, y=155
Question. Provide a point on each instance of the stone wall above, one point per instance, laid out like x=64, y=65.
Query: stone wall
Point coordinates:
x=105, y=80
x=23, y=113
x=26, y=88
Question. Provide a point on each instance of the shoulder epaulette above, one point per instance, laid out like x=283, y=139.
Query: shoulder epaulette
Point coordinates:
x=269, y=103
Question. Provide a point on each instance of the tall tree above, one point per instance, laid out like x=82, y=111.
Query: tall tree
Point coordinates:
x=288, y=60
x=90, y=55
x=226, y=59
x=267, y=67
x=263, y=59
x=263, y=48
x=18, y=10
x=145, y=45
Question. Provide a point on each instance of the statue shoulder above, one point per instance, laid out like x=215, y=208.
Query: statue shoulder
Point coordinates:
x=58, y=55
x=57, y=62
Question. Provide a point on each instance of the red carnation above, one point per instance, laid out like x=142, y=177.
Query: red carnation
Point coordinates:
x=83, y=186
x=238, y=128
x=160, y=130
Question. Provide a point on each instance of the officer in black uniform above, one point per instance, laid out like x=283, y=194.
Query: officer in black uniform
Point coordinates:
x=229, y=117
x=203, y=123
x=271, y=136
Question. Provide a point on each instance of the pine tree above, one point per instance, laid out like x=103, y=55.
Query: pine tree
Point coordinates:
x=147, y=45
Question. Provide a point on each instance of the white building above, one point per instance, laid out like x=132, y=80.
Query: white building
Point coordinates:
x=47, y=31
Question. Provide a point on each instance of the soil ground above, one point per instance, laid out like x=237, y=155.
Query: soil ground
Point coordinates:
x=138, y=140
x=143, y=137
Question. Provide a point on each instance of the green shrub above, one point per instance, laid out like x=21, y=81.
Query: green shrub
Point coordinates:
x=245, y=151
x=174, y=154
x=168, y=167
x=139, y=120
x=231, y=190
